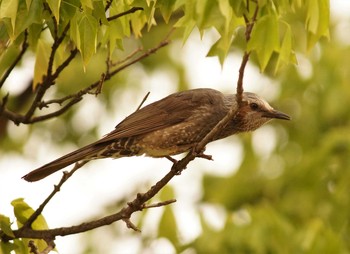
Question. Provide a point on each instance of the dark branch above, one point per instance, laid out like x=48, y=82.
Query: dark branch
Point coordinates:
x=245, y=59
x=15, y=62
x=108, y=4
x=143, y=101
x=56, y=113
x=132, y=10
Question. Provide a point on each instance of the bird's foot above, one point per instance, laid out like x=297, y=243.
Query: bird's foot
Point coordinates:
x=171, y=159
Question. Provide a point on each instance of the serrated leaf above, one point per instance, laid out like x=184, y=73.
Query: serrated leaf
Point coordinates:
x=220, y=49
x=238, y=6
x=151, y=21
x=166, y=8
x=8, y=9
x=87, y=27
x=188, y=21
x=188, y=26
x=99, y=12
x=55, y=8
x=264, y=39
x=41, y=61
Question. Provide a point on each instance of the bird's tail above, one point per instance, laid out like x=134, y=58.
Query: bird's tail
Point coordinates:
x=83, y=153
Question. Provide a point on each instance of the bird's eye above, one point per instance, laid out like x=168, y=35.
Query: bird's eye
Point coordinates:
x=254, y=106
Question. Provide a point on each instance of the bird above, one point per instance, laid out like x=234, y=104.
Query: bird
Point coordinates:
x=170, y=126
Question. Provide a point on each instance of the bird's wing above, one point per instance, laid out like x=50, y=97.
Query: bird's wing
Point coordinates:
x=166, y=112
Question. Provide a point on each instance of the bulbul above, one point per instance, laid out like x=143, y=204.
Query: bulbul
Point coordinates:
x=172, y=125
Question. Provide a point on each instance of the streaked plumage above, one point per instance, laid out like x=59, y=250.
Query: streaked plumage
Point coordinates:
x=169, y=126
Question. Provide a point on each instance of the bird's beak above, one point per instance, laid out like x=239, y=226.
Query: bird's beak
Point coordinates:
x=276, y=114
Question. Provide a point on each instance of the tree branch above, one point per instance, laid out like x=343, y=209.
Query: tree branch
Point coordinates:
x=65, y=177
x=139, y=202
x=132, y=10
x=17, y=59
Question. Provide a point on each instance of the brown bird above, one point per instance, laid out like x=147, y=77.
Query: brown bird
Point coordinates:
x=172, y=125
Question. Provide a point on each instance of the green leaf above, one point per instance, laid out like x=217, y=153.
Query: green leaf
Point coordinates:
x=286, y=54
x=188, y=25
x=87, y=3
x=43, y=50
x=87, y=28
x=6, y=58
x=99, y=12
x=208, y=14
x=151, y=21
x=25, y=18
x=317, y=21
x=23, y=211
x=8, y=9
x=166, y=8
x=69, y=8
x=220, y=48
x=188, y=21
x=34, y=32
x=7, y=247
x=167, y=224
x=55, y=8
x=264, y=39
x=238, y=6
x=28, y=3
x=5, y=225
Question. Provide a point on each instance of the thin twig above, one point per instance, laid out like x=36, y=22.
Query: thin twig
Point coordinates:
x=54, y=114
x=159, y=204
x=131, y=225
x=3, y=103
x=17, y=59
x=131, y=55
x=132, y=10
x=108, y=5
x=143, y=101
x=65, y=177
x=108, y=76
x=245, y=59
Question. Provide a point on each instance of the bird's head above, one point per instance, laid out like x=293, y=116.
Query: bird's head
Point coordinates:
x=256, y=111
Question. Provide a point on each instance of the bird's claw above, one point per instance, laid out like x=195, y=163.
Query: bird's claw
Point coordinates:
x=171, y=159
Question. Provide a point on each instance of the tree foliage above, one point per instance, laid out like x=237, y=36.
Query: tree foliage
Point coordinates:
x=85, y=47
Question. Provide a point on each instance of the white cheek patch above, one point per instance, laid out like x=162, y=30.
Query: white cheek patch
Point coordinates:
x=266, y=105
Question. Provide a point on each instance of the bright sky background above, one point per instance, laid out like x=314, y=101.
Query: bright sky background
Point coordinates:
x=99, y=182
